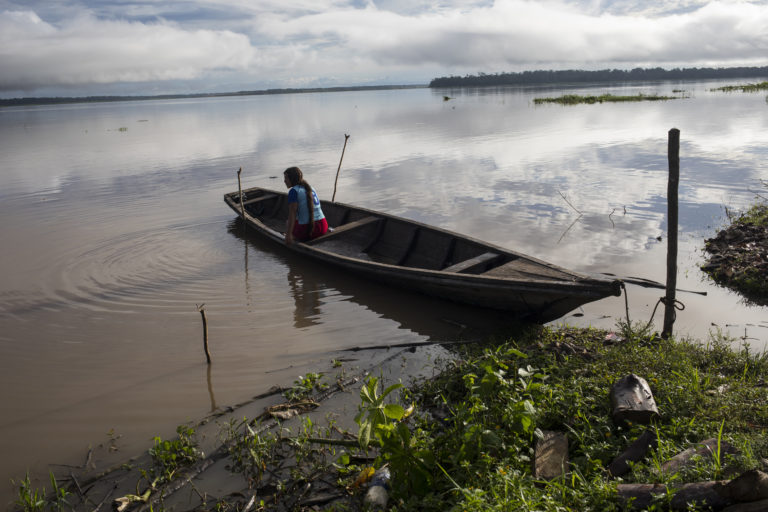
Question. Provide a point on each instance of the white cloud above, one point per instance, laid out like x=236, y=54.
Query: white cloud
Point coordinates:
x=87, y=50
x=295, y=43
x=519, y=33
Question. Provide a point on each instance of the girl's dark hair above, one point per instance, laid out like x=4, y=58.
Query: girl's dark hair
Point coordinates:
x=295, y=177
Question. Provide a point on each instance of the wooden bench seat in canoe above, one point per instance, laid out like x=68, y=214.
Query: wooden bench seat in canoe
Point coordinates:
x=473, y=263
x=344, y=228
x=523, y=269
x=265, y=197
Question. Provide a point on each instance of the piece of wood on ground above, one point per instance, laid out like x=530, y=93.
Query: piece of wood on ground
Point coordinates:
x=755, y=506
x=749, y=487
x=632, y=401
x=712, y=494
x=640, y=496
x=635, y=452
x=289, y=410
x=551, y=455
x=706, y=448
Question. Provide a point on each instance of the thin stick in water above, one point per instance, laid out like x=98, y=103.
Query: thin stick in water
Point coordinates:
x=569, y=203
x=240, y=190
x=333, y=199
x=201, y=309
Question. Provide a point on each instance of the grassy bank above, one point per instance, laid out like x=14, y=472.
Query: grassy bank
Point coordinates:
x=464, y=439
x=575, y=99
x=494, y=403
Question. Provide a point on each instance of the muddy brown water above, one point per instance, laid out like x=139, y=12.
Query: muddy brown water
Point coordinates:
x=112, y=237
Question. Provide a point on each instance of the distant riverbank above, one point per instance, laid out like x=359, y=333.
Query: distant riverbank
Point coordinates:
x=17, y=102
x=539, y=77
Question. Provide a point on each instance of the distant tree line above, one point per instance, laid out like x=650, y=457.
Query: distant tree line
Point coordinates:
x=603, y=75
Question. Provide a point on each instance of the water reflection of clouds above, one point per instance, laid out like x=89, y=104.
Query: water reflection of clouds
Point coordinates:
x=487, y=162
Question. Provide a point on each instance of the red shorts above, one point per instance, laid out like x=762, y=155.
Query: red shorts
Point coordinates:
x=301, y=231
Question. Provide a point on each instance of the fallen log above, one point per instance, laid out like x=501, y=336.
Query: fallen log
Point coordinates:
x=712, y=494
x=750, y=486
x=635, y=452
x=707, y=448
x=640, y=496
x=755, y=506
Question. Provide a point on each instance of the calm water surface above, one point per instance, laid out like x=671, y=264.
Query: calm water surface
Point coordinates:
x=114, y=229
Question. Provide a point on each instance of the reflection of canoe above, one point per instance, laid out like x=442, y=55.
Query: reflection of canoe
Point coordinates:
x=429, y=260
x=313, y=285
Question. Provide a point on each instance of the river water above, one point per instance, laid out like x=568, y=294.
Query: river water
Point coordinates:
x=114, y=230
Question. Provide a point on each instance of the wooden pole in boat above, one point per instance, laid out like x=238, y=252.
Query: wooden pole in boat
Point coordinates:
x=673, y=155
x=333, y=199
x=201, y=309
x=240, y=191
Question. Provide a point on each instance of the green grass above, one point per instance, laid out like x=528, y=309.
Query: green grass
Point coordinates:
x=762, y=86
x=170, y=456
x=498, y=400
x=575, y=99
x=31, y=499
x=757, y=215
x=304, y=387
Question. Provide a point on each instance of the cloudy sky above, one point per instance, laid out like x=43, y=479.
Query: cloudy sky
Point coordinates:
x=84, y=47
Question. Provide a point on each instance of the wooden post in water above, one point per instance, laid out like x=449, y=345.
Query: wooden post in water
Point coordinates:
x=673, y=155
x=201, y=309
x=240, y=191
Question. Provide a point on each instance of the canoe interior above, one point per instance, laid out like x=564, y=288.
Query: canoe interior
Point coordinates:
x=371, y=236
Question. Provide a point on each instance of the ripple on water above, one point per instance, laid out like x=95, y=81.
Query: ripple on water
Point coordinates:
x=160, y=269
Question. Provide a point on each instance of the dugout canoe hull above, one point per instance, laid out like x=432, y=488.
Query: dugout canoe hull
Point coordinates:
x=427, y=259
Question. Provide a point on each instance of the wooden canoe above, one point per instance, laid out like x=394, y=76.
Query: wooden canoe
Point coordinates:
x=428, y=260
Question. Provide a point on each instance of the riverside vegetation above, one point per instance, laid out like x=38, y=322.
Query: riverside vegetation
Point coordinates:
x=464, y=439
x=738, y=254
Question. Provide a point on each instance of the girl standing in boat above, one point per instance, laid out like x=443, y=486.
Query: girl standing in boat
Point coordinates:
x=305, y=217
